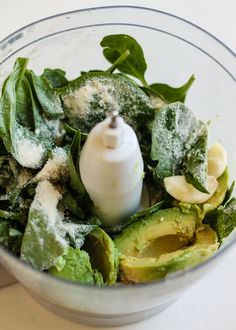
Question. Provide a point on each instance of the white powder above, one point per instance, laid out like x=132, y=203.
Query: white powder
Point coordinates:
x=55, y=168
x=45, y=201
x=28, y=153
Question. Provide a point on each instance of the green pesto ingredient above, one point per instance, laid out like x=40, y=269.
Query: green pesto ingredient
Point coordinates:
x=75, y=266
x=179, y=145
x=142, y=236
x=141, y=270
x=103, y=254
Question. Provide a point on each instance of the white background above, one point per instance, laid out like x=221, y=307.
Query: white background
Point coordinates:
x=211, y=304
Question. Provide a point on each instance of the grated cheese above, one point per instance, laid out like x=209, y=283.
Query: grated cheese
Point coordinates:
x=56, y=167
x=28, y=153
x=45, y=201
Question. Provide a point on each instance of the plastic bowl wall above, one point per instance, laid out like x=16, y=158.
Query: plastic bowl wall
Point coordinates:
x=174, y=49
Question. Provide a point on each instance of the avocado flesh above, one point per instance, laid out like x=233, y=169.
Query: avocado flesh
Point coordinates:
x=141, y=270
x=136, y=239
x=219, y=195
x=103, y=254
x=212, y=203
x=165, y=244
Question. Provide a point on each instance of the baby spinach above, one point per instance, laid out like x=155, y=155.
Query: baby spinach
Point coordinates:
x=10, y=238
x=48, y=96
x=170, y=94
x=56, y=77
x=179, y=145
x=71, y=204
x=229, y=193
x=225, y=221
x=147, y=211
x=171, y=131
x=88, y=99
x=42, y=243
x=16, y=109
x=4, y=232
x=126, y=54
x=195, y=164
x=80, y=194
x=73, y=164
x=76, y=231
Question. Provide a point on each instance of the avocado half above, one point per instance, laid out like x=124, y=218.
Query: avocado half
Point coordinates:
x=103, y=254
x=141, y=270
x=165, y=242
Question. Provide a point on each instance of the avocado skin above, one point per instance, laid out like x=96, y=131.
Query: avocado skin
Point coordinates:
x=103, y=254
x=136, y=237
x=141, y=270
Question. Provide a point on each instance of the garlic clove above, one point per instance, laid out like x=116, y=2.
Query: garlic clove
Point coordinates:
x=217, y=160
x=180, y=189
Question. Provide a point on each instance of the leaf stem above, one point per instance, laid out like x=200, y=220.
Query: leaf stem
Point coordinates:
x=120, y=59
x=144, y=82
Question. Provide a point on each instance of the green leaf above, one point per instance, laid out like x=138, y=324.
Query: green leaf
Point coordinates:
x=171, y=94
x=146, y=212
x=91, y=97
x=73, y=160
x=26, y=146
x=172, y=129
x=71, y=204
x=48, y=97
x=195, y=164
x=75, y=266
x=56, y=77
x=229, y=193
x=76, y=231
x=43, y=241
x=122, y=45
x=225, y=221
x=4, y=232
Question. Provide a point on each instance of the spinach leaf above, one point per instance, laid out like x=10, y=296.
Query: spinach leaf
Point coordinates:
x=71, y=204
x=170, y=94
x=195, y=164
x=225, y=221
x=25, y=146
x=15, y=241
x=229, y=193
x=172, y=128
x=82, y=197
x=126, y=54
x=75, y=266
x=73, y=165
x=72, y=131
x=10, y=238
x=88, y=99
x=43, y=242
x=146, y=212
x=4, y=232
x=75, y=231
x=179, y=144
x=48, y=97
x=56, y=77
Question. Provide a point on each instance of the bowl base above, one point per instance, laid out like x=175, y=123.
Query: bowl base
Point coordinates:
x=101, y=320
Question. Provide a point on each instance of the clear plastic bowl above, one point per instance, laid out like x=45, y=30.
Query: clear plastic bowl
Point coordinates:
x=174, y=49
